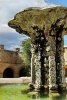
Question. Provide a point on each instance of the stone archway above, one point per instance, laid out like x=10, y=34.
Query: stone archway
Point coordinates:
x=66, y=72
x=46, y=28
x=8, y=73
x=22, y=72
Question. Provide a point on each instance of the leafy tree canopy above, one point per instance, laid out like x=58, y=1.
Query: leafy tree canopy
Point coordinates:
x=26, y=53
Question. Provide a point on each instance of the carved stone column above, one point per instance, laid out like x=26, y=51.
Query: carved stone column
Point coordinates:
x=32, y=64
x=46, y=67
x=60, y=61
x=38, y=59
x=38, y=82
x=36, y=66
x=52, y=63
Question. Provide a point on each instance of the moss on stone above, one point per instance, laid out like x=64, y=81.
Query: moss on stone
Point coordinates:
x=25, y=21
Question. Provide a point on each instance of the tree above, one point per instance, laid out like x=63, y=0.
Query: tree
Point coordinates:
x=26, y=54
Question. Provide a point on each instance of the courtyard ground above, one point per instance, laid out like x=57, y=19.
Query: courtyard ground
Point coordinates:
x=15, y=80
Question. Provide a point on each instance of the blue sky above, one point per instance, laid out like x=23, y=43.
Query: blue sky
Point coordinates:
x=8, y=8
x=58, y=2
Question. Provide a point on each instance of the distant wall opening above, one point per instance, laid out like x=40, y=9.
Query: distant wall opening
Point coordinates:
x=66, y=72
x=8, y=73
x=22, y=72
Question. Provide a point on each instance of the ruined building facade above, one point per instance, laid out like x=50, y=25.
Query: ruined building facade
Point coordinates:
x=10, y=63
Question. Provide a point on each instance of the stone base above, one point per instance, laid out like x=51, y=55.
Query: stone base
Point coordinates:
x=61, y=89
x=55, y=94
x=37, y=94
x=31, y=86
x=33, y=95
x=58, y=89
x=40, y=88
x=53, y=88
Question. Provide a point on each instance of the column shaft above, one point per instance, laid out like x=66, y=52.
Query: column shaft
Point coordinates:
x=32, y=64
x=38, y=82
x=60, y=61
x=52, y=63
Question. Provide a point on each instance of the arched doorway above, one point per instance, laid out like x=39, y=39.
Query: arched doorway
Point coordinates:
x=66, y=72
x=22, y=72
x=8, y=73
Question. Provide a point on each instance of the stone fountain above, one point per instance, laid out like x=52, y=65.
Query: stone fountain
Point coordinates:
x=46, y=28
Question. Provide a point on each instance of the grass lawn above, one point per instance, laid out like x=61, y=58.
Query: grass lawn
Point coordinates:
x=14, y=92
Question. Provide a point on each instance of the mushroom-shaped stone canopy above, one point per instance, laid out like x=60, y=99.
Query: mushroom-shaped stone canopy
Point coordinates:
x=31, y=20
x=46, y=28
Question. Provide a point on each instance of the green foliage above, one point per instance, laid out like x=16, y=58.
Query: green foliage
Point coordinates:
x=26, y=56
x=26, y=53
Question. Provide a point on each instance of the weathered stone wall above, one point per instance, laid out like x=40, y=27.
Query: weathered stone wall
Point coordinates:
x=10, y=59
x=7, y=56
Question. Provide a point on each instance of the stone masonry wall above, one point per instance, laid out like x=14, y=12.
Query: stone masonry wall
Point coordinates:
x=10, y=59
